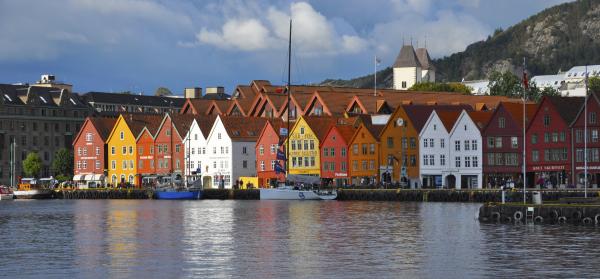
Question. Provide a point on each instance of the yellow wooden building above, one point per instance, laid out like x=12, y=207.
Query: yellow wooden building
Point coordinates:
x=305, y=138
x=122, y=148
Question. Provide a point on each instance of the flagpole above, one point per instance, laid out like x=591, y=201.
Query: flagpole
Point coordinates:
x=585, y=160
x=524, y=134
x=375, y=82
x=289, y=92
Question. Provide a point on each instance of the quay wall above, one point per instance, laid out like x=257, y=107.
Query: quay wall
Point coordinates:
x=587, y=214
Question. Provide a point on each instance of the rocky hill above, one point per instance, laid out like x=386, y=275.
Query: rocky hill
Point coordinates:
x=554, y=39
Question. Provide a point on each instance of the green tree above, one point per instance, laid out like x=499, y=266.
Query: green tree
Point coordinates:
x=62, y=165
x=441, y=87
x=163, y=91
x=505, y=84
x=594, y=84
x=32, y=164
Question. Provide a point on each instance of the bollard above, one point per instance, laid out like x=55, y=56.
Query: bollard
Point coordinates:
x=503, y=197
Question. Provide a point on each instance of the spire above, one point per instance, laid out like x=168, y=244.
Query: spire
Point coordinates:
x=407, y=57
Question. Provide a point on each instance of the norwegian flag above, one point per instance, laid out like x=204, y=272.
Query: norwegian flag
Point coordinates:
x=525, y=81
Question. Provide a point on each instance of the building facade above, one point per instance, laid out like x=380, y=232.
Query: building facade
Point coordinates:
x=89, y=152
x=334, y=155
x=267, y=146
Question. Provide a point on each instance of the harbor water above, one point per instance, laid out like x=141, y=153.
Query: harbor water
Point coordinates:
x=282, y=239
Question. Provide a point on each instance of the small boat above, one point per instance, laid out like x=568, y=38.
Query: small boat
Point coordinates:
x=292, y=193
x=177, y=194
x=6, y=193
x=30, y=188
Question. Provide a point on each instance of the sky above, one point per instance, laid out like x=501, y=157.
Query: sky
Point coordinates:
x=140, y=45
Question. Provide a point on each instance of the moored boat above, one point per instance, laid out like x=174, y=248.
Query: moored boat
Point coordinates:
x=30, y=188
x=6, y=193
x=291, y=193
x=178, y=194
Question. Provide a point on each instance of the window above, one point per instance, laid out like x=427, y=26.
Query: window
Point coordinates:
x=272, y=164
x=491, y=158
x=404, y=84
x=390, y=142
x=442, y=143
x=431, y=141
x=467, y=145
x=332, y=152
x=501, y=122
x=312, y=161
x=343, y=166
x=122, y=135
x=514, y=142
x=113, y=164
x=535, y=155
x=244, y=164
x=475, y=162
x=124, y=164
x=312, y=144
x=305, y=144
x=413, y=143
x=546, y=137
x=425, y=161
x=372, y=164
x=413, y=160
x=124, y=150
x=594, y=135
x=325, y=152
x=425, y=143
x=442, y=160
x=498, y=142
x=97, y=164
x=141, y=164
x=546, y=120
x=131, y=164
x=78, y=165
x=293, y=161
x=78, y=151
x=88, y=137
x=491, y=142
x=300, y=162
x=354, y=165
x=364, y=165
x=222, y=150
x=554, y=137
x=261, y=149
x=474, y=145
x=84, y=151
x=218, y=135
x=563, y=136
x=355, y=149
x=467, y=162
x=431, y=160
x=457, y=162
x=302, y=130
x=112, y=150
x=131, y=150
x=404, y=143
x=273, y=148
x=177, y=148
x=343, y=152
x=244, y=150
x=592, y=117
x=372, y=148
x=364, y=149
x=534, y=139
x=457, y=145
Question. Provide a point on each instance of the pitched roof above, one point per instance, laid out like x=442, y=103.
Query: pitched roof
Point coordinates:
x=567, y=107
x=407, y=58
x=424, y=59
x=346, y=131
x=137, y=122
x=320, y=125
x=448, y=117
x=200, y=105
x=243, y=128
x=205, y=123
x=103, y=125
x=375, y=130
x=481, y=118
x=182, y=123
x=419, y=114
x=516, y=112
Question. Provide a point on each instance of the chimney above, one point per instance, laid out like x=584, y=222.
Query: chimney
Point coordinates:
x=215, y=90
x=193, y=93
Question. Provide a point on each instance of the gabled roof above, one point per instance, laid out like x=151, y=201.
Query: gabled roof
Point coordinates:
x=515, y=110
x=243, y=128
x=198, y=106
x=205, y=123
x=407, y=58
x=567, y=107
x=137, y=123
x=448, y=117
x=374, y=130
x=419, y=114
x=481, y=118
x=320, y=125
x=103, y=126
x=424, y=59
x=182, y=123
x=346, y=131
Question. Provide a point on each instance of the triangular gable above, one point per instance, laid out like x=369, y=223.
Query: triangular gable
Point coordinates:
x=85, y=123
x=314, y=101
x=188, y=108
x=595, y=97
x=112, y=132
x=462, y=115
x=432, y=116
x=356, y=103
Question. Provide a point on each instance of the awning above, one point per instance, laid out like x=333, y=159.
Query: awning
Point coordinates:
x=95, y=177
x=79, y=177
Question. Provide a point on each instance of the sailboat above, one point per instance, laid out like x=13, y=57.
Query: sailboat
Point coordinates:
x=287, y=191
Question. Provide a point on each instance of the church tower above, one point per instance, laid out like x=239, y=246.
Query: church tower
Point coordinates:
x=427, y=68
x=407, y=69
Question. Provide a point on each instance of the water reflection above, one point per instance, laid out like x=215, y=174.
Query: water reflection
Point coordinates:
x=275, y=239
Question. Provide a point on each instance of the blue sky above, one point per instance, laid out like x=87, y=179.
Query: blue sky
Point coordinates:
x=139, y=45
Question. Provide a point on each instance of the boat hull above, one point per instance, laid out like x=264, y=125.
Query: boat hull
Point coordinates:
x=6, y=197
x=291, y=194
x=34, y=194
x=178, y=195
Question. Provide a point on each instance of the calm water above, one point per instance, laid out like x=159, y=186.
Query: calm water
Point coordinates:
x=275, y=239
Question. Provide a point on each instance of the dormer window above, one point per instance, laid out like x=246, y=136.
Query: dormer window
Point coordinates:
x=122, y=135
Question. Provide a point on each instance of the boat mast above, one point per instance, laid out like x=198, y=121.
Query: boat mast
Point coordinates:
x=289, y=92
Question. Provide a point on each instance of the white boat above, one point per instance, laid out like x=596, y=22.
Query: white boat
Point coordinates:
x=31, y=188
x=6, y=194
x=289, y=193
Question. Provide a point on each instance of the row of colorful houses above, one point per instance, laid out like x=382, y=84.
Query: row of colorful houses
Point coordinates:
x=455, y=145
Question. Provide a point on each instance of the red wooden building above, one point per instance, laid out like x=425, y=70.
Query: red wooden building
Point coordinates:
x=593, y=143
x=145, y=155
x=334, y=155
x=90, y=151
x=503, y=144
x=549, y=156
x=266, y=153
x=169, y=150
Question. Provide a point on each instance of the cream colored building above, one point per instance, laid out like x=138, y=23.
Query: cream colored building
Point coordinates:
x=412, y=67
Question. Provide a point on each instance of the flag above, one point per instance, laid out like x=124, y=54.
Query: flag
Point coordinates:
x=377, y=60
x=278, y=168
x=280, y=155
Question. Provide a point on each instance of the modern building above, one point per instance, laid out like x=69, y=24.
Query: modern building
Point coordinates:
x=36, y=119
x=114, y=103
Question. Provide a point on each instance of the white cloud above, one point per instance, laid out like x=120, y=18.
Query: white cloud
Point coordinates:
x=312, y=33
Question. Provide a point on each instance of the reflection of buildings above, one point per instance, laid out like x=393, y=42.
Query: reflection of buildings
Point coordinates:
x=89, y=234
x=121, y=234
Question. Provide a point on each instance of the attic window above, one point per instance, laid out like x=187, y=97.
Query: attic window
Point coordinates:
x=252, y=133
x=236, y=133
x=72, y=102
x=7, y=97
x=44, y=100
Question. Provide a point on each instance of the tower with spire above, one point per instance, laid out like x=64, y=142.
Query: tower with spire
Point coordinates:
x=412, y=67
